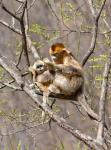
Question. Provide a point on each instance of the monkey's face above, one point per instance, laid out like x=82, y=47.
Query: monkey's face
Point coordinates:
x=56, y=52
x=39, y=66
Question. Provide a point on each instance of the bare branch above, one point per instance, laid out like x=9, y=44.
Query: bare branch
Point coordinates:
x=92, y=8
x=24, y=40
x=10, y=86
x=20, y=56
x=12, y=81
x=19, y=8
x=95, y=30
x=10, y=27
x=26, y=21
x=31, y=4
x=20, y=1
x=29, y=42
x=104, y=88
x=9, y=12
x=48, y=2
x=24, y=7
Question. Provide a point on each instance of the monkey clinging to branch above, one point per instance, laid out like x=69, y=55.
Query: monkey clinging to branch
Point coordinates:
x=43, y=78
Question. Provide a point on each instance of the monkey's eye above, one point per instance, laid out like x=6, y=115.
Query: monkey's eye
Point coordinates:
x=39, y=66
x=53, y=50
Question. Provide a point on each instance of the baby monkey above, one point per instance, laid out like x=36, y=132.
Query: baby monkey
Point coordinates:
x=43, y=77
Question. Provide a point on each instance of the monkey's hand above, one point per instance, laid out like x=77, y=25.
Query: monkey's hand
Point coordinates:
x=46, y=60
x=49, y=64
x=30, y=69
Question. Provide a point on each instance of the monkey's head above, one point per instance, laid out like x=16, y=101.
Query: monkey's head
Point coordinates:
x=58, y=52
x=39, y=66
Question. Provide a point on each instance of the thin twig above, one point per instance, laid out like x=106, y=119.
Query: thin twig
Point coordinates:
x=48, y=2
x=24, y=7
x=10, y=86
x=19, y=8
x=9, y=12
x=31, y=4
x=29, y=42
x=12, y=81
x=18, y=62
x=20, y=1
x=104, y=88
x=10, y=27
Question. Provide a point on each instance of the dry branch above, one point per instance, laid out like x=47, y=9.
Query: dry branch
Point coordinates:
x=10, y=27
x=21, y=21
x=10, y=86
x=29, y=42
x=95, y=30
x=104, y=88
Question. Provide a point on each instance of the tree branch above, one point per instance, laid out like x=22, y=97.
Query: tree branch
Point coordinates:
x=10, y=86
x=29, y=42
x=95, y=30
x=100, y=133
x=9, y=12
x=21, y=21
x=10, y=27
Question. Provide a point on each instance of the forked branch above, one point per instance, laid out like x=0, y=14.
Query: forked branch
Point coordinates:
x=96, y=17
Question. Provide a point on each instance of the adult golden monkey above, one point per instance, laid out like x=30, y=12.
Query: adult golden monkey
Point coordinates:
x=69, y=73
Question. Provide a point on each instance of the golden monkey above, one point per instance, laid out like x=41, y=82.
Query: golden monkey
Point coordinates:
x=43, y=78
x=43, y=75
x=69, y=73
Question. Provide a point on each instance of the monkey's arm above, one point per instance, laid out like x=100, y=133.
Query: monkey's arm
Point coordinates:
x=31, y=69
x=68, y=70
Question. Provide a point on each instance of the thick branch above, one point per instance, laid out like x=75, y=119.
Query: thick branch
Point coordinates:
x=100, y=134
